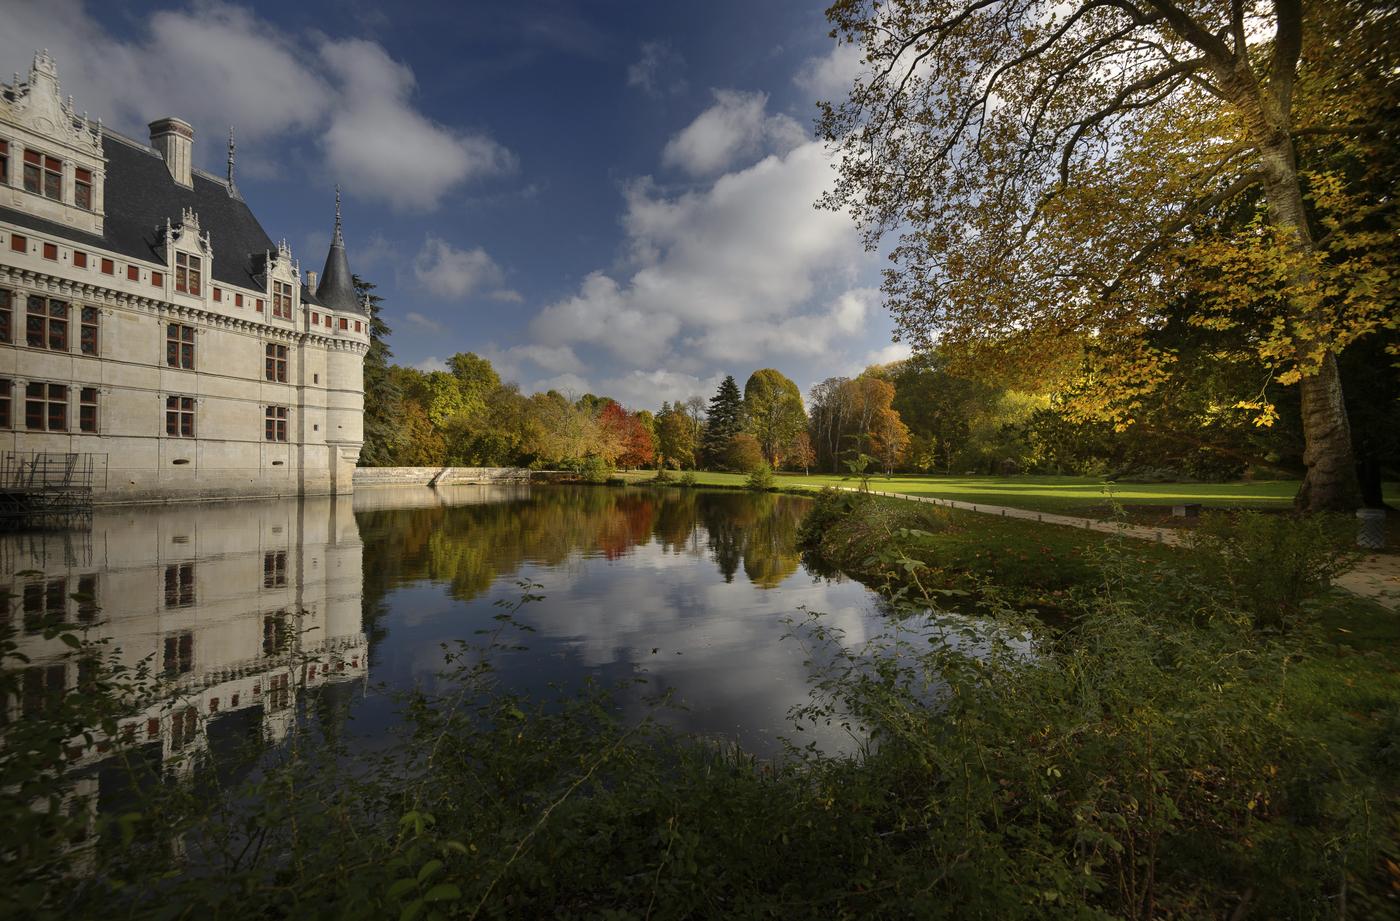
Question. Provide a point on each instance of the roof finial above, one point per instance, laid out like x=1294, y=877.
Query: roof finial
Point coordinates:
x=338, y=239
x=231, y=148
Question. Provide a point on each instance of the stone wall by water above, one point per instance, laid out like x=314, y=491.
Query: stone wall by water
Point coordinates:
x=438, y=476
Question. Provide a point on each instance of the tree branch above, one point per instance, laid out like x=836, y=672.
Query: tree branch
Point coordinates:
x=1288, y=44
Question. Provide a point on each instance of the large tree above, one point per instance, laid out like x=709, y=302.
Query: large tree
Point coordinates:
x=723, y=420
x=774, y=410
x=1043, y=165
x=384, y=429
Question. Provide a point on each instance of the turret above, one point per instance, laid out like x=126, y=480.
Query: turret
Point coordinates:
x=345, y=382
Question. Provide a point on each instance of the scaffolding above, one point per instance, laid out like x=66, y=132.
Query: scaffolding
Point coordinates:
x=49, y=490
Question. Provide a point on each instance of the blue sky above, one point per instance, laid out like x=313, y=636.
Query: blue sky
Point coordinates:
x=607, y=196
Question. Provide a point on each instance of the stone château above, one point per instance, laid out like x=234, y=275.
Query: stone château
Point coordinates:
x=148, y=320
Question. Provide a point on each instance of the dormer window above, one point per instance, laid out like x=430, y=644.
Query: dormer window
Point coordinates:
x=282, y=300
x=188, y=273
x=43, y=175
x=82, y=188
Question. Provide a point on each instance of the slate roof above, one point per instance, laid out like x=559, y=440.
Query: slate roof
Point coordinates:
x=139, y=195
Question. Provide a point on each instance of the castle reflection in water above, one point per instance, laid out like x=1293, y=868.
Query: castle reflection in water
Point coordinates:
x=238, y=606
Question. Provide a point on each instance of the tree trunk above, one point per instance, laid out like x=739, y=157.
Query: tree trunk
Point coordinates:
x=1330, y=483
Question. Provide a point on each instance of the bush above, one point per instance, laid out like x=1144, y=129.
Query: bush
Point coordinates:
x=743, y=455
x=687, y=479
x=663, y=476
x=1271, y=566
x=594, y=469
x=761, y=479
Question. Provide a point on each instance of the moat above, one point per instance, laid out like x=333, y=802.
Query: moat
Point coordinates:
x=689, y=590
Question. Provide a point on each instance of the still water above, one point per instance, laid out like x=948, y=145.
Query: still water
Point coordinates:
x=687, y=589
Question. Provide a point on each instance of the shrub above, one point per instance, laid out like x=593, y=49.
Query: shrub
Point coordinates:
x=743, y=455
x=662, y=476
x=687, y=479
x=594, y=469
x=1271, y=566
x=761, y=479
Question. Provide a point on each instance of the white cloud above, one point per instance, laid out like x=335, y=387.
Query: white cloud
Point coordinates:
x=829, y=77
x=895, y=351
x=374, y=127
x=725, y=274
x=218, y=64
x=431, y=363
x=656, y=72
x=456, y=274
x=737, y=126
x=570, y=385
x=649, y=389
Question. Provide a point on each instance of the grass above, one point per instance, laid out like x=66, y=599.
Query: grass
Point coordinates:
x=1059, y=494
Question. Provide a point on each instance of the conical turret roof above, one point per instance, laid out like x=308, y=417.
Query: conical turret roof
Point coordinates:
x=336, y=288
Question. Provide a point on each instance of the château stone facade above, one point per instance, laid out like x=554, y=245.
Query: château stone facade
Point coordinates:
x=147, y=319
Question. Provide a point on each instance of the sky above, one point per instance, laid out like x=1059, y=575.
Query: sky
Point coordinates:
x=609, y=197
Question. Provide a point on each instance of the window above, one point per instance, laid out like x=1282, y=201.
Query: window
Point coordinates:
x=87, y=409
x=6, y=397
x=87, y=331
x=274, y=569
x=157, y=280
x=279, y=695
x=43, y=688
x=4, y=161
x=238, y=300
x=275, y=633
x=179, y=346
x=344, y=323
x=328, y=321
x=188, y=277
x=18, y=243
x=357, y=326
x=7, y=316
x=46, y=324
x=276, y=427
x=179, y=585
x=46, y=407
x=79, y=259
x=82, y=188
x=43, y=175
x=51, y=251
x=87, y=598
x=133, y=273
x=44, y=603
x=260, y=305
x=109, y=267
x=276, y=366
x=218, y=294
x=179, y=653
x=183, y=729
x=315, y=318
x=179, y=416
x=282, y=300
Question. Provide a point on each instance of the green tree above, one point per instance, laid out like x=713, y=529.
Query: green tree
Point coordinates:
x=774, y=412
x=1045, y=163
x=676, y=436
x=383, y=399
x=724, y=420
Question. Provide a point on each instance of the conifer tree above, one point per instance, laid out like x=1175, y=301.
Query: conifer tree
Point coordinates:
x=723, y=421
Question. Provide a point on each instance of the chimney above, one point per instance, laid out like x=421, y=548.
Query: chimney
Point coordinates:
x=311, y=281
x=174, y=139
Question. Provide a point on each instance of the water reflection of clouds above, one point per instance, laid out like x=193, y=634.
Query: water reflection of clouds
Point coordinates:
x=653, y=577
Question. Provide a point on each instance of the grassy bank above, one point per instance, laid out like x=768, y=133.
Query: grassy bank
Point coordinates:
x=1061, y=494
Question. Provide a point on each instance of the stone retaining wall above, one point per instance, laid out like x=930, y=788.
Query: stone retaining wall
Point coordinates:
x=438, y=476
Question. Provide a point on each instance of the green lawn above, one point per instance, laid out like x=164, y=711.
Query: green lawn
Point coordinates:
x=1081, y=495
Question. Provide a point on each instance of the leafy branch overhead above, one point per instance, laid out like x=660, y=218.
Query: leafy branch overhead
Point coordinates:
x=1055, y=177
